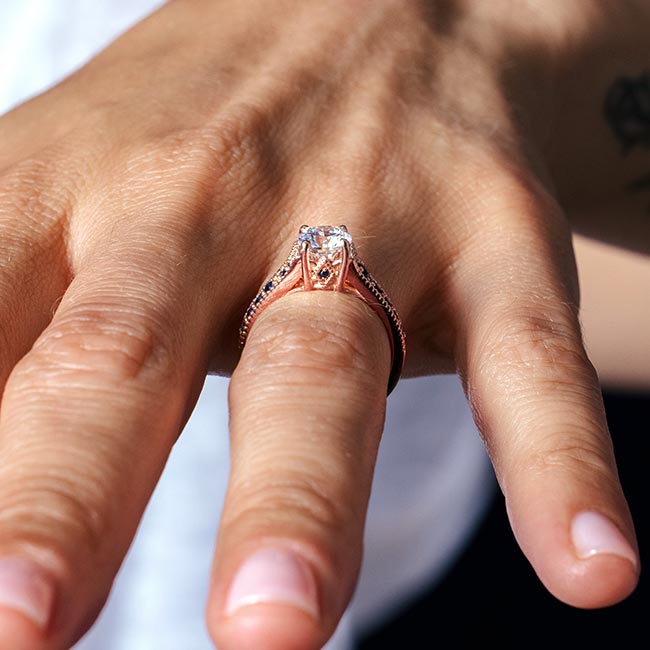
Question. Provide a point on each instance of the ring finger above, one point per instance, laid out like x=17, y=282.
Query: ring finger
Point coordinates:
x=307, y=404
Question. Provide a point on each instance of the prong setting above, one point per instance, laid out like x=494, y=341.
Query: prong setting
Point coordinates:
x=328, y=260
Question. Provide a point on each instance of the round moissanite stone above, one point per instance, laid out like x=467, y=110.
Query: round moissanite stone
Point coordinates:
x=325, y=241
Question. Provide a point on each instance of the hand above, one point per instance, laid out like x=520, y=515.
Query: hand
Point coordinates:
x=144, y=200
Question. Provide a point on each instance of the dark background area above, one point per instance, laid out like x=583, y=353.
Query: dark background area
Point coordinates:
x=493, y=596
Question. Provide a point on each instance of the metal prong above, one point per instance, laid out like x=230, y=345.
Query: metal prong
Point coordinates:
x=306, y=270
x=303, y=227
x=343, y=227
x=343, y=269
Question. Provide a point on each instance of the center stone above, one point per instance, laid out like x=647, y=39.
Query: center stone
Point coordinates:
x=325, y=241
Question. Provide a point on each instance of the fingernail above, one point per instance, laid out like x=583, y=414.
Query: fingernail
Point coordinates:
x=24, y=589
x=594, y=534
x=274, y=575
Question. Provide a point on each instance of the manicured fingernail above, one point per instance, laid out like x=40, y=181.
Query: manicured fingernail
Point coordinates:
x=274, y=575
x=594, y=534
x=24, y=589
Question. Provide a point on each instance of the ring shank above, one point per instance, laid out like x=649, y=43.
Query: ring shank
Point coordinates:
x=352, y=277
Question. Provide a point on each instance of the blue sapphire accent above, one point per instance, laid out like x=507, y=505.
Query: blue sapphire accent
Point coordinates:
x=283, y=272
x=258, y=299
x=268, y=286
x=250, y=311
x=323, y=273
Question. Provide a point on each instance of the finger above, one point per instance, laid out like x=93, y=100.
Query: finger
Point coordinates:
x=33, y=268
x=88, y=418
x=537, y=400
x=307, y=409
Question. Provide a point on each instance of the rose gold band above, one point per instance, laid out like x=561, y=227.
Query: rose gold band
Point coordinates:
x=325, y=258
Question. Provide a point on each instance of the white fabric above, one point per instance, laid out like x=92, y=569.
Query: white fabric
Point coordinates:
x=432, y=480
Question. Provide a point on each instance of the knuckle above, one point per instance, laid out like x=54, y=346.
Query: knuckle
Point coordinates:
x=90, y=341
x=243, y=158
x=53, y=511
x=232, y=149
x=545, y=344
x=317, y=343
x=227, y=165
x=238, y=137
x=582, y=457
x=31, y=212
x=290, y=501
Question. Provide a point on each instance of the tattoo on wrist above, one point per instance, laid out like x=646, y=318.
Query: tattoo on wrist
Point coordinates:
x=627, y=111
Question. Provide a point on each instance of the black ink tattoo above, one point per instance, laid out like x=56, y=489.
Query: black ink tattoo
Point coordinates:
x=627, y=110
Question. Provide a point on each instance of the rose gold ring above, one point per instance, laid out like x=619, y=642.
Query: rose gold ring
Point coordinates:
x=324, y=258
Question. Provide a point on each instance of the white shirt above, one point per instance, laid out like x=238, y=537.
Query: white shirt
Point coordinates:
x=432, y=481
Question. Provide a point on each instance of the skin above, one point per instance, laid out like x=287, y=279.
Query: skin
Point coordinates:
x=615, y=314
x=144, y=200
